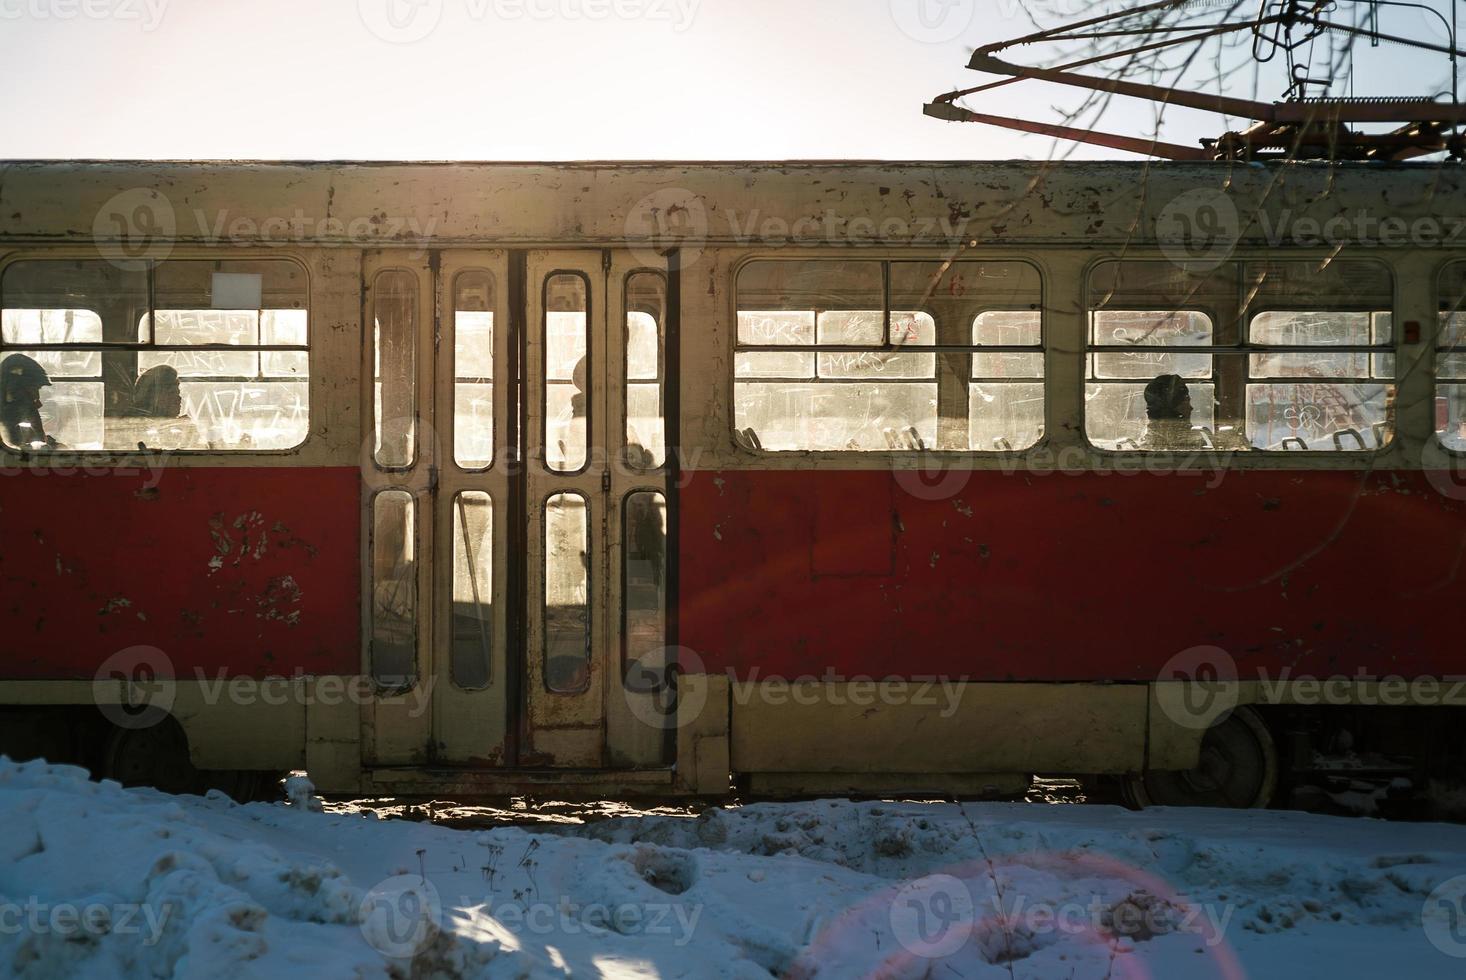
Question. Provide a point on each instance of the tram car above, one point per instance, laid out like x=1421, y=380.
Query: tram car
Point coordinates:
x=780, y=478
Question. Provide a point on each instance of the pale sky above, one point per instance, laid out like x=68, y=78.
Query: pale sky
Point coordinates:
x=541, y=79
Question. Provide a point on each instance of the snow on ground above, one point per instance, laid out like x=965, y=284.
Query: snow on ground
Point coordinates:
x=98, y=881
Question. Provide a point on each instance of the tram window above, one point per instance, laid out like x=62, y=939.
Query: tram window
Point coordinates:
x=394, y=589
x=394, y=351
x=1270, y=355
x=567, y=378
x=567, y=594
x=72, y=405
x=826, y=362
x=219, y=361
x=644, y=577
x=646, y=428
x=1316, y=395
x=473, y=588
x=1129, y=349
x=473, y=369
x=1004, y=413
x=1450, y=368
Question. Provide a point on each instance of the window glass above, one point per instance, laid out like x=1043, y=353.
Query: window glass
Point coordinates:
x=567, y=379
x=473, y=368
x=1133, y=351
x=1450, y=367
x=394, y=333
x=1282, y=356
x=644, y=592
x=567, y=594
x=473, y=588
x=1348, y=407
x=220, y=363
x=908, y=374
x=646, y=429
x=394, y=589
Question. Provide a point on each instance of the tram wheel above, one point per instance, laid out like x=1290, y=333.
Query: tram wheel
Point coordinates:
x=155, y=756
x=1238, y=768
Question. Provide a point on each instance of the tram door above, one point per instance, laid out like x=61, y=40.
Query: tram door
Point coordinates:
x=541, y=489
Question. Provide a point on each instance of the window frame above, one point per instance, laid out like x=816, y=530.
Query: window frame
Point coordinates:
x=1439, y=291
x=624, y=382
x=544, y=383
x=886, y=260
x=176, y=255
x=1244, y=348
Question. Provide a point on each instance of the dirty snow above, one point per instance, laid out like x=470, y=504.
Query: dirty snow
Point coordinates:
x=98, y=881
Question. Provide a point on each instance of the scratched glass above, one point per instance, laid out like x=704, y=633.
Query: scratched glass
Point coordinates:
x=394, y=346
x=473, y=368
x=394, y=589
x=1450, y=398
x=644, y=576
x=646, y=426
x=1332, y=392
x=221, y=363
x=875, y=376
x=566, y=609
x=566, y=375
x=472, y=615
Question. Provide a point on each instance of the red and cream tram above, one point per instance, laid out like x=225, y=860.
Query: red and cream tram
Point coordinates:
x=822, y=477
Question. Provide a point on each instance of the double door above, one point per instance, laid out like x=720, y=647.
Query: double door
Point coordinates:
x=517, y=508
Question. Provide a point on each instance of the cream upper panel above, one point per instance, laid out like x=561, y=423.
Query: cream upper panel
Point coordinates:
x=374, y=205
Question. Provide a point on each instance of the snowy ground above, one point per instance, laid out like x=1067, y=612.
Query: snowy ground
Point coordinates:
x=99, y=881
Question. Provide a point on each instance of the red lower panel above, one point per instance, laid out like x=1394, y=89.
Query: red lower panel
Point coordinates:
x=254, y=570
x=1071, y=577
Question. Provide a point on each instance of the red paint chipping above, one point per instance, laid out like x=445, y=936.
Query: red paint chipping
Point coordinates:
x=250, y=570
x=1057, y=577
